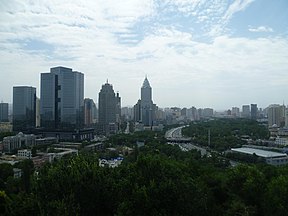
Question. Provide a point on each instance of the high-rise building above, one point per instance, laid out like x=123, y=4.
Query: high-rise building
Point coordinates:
x=62, y=98
x=24, y=108
x=235, y=112
x=276, y=115
x=109, y=105
x=4, y=112
x=37, y=112
x=146, y=103
x=254, y=111
x=207, y=112
x=137, y=111
x=89, y=112
x=245, y=111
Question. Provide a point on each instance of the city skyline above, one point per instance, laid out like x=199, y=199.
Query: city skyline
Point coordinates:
x=195, y=53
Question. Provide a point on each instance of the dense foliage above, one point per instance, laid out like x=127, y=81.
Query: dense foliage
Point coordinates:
x=225, y=133
x=157, y=179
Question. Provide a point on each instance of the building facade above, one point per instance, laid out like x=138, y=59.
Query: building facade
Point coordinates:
x=108, y=109
x=15, y=142
x=24, y=108
x=89, y=112
x=276, y=115
x=245, y=111
x=146, y=104
x=254, y=111
x=62, y=99
x=4, y=112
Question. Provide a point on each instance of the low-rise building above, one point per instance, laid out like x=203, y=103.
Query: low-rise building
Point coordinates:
x=17, y=173
x=11, y=143
x=24, y=154
x=272, y=158
x=281, y=141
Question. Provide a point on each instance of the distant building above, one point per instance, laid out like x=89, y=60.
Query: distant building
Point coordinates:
x=235, y=112
x=147, y=111
x=89, y=112
x=245, y=111
x=109, y=108
x=11, y=143
x=4, y=112
x=207, y=112
x=127, y=113
x=272, y=158
x=137, y=111
x=62, y=99
x=276, y=115
x=24, y=153
x=254, y=111
x=17, y=173
x=24, y=108
x=38, y=112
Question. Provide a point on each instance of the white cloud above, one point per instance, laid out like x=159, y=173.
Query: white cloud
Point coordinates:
x=260, y=29
x=100, y=39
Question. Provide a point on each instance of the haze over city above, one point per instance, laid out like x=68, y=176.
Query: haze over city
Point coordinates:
x=195, y=53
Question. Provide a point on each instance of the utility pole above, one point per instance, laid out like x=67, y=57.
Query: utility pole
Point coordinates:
x=209, y=137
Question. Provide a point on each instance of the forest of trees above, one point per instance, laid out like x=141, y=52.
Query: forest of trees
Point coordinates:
x=225, y=133
x=157, y=179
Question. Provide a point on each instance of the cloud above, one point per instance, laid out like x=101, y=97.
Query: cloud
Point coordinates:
x=125, y=40
x=260, y=29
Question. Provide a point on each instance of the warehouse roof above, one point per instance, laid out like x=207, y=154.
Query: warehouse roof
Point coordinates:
x=259, y=152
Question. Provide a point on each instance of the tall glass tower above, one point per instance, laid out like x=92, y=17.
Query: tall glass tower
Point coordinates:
x=24, y=108
x=62, y=99
x=4, y=112
x=146, y=103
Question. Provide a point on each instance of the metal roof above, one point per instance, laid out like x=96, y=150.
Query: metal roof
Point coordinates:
x=259, y=152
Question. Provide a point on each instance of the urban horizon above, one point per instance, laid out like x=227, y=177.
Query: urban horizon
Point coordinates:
x=95, y=99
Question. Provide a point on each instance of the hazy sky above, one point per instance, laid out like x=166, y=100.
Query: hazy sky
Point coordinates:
x=202, y=53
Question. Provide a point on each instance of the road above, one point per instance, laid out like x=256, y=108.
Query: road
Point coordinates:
x=175, y=137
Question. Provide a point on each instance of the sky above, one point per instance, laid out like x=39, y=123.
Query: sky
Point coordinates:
x=201, y=53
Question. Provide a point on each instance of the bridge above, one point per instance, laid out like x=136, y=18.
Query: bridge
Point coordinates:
x=175, y=135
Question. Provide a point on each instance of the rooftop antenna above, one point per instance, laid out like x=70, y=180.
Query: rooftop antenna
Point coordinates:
x=107, y=81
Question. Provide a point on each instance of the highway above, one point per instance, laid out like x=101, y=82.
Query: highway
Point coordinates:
x=175, y=137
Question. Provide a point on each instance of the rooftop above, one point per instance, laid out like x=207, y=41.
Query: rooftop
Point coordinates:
x=146, y=83
x=259, y=152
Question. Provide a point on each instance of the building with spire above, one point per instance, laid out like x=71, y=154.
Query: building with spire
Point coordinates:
x=144, y=110
x=146, y=103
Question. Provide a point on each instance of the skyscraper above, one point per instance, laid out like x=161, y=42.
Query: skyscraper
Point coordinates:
x=108, y=109
x=146, y=103
x=4, y=112
x=89, y=111
x=254, y=111
x=24, y=108
x=245, y=111
x=276, y=115
x=62, y=98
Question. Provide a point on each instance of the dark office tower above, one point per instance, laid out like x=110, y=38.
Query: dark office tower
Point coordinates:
x=118, y=109
x=108, y=108
x=137, y=111
x=4, y=112
x=254, y=111
x=62, y=99
x=146, y=103
x=24, y=108
x=89, y=112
